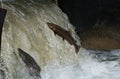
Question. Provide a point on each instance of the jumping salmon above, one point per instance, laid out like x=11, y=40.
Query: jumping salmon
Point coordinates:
x=64, y=34
x=33, y=67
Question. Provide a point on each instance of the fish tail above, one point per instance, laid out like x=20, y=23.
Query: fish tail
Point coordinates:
x=77, y=47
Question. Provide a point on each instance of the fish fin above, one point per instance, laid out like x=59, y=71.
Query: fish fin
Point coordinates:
x=77, y=47
x=63, y=39
x=55, y=33
x=69, y=31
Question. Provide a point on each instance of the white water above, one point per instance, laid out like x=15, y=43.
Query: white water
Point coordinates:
x=87, y=68
x=25, y=27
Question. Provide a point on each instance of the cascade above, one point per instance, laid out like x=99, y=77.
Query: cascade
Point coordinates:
x=31, y=50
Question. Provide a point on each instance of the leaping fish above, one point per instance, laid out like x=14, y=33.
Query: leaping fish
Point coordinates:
x=64, y=34
x=33, y=67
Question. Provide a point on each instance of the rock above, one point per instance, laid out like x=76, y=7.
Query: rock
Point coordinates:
x=100, y=38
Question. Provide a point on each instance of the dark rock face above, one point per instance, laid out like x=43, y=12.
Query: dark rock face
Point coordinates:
x=85, y=13
x=100, y=38
x=33, y=67
x=2, y=17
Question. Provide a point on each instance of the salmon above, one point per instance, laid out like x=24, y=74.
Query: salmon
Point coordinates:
x=32, y=66
x=64, y=34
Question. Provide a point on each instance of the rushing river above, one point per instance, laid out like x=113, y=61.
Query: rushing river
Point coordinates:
x=26, y=32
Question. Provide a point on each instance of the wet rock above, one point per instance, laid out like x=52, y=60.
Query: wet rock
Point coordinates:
x=101, y=38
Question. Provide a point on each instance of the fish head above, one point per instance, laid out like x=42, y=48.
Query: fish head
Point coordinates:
x=51, y=26
x=22, y=54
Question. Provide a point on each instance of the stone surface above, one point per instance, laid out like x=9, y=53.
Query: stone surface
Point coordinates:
x=101, y=38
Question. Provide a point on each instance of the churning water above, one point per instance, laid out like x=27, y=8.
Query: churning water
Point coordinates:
x=25, y=28
x=90, y=66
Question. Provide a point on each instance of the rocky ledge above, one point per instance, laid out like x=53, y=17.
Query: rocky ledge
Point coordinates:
x=100, y=38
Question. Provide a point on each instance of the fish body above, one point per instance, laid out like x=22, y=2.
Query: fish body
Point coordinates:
x=32, y=66
x=64, y=34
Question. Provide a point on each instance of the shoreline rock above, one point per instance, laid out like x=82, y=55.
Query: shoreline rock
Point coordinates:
x=100, y=38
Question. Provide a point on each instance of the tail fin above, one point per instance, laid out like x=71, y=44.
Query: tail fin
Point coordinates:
x=77, y=47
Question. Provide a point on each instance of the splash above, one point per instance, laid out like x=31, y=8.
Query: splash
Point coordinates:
x=88, y=67
x=26, y=28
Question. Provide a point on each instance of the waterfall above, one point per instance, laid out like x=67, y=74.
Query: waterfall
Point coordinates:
x=26, y=32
